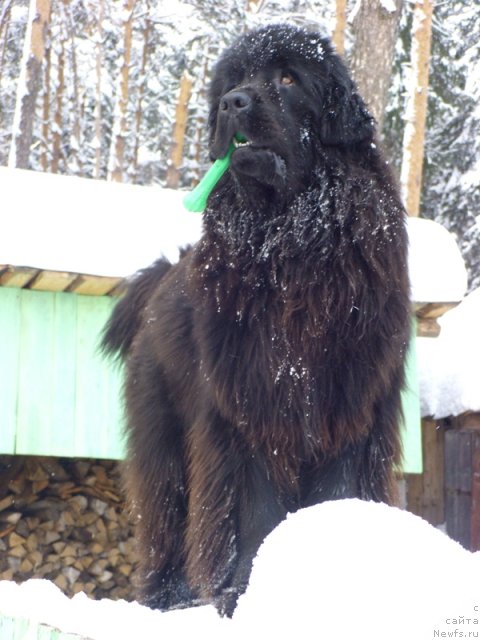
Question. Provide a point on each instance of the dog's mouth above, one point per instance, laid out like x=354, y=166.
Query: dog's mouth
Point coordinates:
x=240, y=140
x=222, y=144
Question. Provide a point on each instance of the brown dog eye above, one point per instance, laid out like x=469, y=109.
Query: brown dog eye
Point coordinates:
x=286, y=79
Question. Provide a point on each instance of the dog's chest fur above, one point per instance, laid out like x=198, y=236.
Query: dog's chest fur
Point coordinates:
x=267, y=325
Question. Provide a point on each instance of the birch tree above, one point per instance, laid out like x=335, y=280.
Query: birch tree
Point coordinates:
x=375, y=26
x=416, y=111
x=29, y=83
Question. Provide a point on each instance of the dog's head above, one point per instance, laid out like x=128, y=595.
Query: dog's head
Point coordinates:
x=285, y=92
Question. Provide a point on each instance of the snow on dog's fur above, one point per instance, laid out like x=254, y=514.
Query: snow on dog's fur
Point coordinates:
x=264, y=369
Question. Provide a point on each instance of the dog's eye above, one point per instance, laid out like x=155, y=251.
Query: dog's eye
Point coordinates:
x=286, y=79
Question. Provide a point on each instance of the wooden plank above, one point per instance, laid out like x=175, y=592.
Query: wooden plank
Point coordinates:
x=9, y=366
x=120, y=289
x=94, y=285
x=17, y=276
x=62, y=431
x=458, y=516
x=425, y=492
x=476, y=493
x=467, y=421
x=58, y=395
x=428, y=328
x=35, y=391
x=433, y=309
x=411, y=427
x=458, y=485
x=47, y=280
x=52, y=281
x=98, y=430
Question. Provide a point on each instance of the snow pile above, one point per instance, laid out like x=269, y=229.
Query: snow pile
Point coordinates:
x=448, y=366
x=340, y=570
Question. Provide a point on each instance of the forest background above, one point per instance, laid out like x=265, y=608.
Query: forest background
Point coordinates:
x=116, y=89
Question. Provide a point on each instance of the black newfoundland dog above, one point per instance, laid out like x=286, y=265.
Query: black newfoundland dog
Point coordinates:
x=264, y=369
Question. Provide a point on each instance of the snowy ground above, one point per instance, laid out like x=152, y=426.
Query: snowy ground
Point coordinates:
x=338, y=571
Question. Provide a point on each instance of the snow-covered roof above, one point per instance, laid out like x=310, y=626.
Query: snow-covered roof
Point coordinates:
x=437, y=269
x=85, y=226
x=449, y=366
x=82, y=226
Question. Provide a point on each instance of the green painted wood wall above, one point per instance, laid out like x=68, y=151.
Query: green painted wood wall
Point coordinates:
x=24, y=629
x=59, y=397
x=412, y=420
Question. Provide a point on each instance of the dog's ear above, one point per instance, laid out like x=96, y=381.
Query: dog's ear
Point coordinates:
x=345, y=118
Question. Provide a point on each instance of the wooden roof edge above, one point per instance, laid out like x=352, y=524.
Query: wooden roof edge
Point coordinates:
x=96, y=285
x=434, y=309
x=48, y=280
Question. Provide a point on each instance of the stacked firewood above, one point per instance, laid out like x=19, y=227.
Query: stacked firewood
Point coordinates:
x=64, y=520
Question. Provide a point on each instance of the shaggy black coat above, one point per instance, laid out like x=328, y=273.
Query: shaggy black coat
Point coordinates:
x=264, y=370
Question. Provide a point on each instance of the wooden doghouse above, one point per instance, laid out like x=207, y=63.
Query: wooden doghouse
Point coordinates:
x=71, y=243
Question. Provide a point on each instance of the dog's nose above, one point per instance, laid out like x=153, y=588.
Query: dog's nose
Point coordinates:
x=235, y=102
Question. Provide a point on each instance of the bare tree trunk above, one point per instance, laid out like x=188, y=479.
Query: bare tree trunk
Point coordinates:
x=46, y=111
x=57, y=119
x=116, y=168
x=375, y=28
x=338, y=36
x=29, y=83
x=4, y=24
x=416, y=111
x=5, y=14
x=141, y=88
x=200, y=119
x=75, y=138
x=98, y=105
x=176, y=153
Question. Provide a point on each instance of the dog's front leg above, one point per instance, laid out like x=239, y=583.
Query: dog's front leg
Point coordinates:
x=232, y=507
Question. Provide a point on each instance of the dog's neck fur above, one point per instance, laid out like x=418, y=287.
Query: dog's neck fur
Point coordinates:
x=294, y=249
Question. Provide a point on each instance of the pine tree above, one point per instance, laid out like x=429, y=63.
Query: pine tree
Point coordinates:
x=451, y=193
x=378, y=19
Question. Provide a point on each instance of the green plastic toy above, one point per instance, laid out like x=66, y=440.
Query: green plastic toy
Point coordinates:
x=196, y=200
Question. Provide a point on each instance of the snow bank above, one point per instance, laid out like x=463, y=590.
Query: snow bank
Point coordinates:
x=95, y=227
x=449, y=366
x=340, y=570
